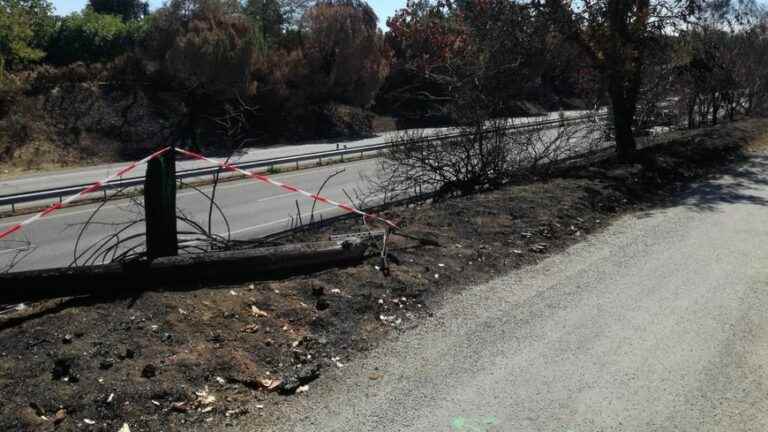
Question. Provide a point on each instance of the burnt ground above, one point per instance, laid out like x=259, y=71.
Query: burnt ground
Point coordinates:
x=208, y=357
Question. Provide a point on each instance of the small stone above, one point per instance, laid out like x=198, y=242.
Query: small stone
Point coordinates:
x=67, y=339
x=291, y=383
x=106, y=364
x=59, y=416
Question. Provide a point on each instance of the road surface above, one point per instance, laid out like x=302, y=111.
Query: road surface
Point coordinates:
x=658, y=323
x=253, y=209
x=75, y=176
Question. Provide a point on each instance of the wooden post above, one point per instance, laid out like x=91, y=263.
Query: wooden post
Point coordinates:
x=160, y=206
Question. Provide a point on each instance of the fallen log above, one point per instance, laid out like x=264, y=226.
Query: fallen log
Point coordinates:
x=178, y=272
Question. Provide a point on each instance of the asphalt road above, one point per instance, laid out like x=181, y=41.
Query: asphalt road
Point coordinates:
x=252, y=208
x=74, y=176
x=656, y=324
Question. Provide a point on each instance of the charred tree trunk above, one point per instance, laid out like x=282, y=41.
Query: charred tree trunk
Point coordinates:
x=623, y=108
x=160, y=206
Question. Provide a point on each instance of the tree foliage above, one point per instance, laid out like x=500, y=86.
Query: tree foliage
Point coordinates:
x=344, y=53
x=93, y=37
x=127, y=10
x=203, y=51
x=25, y=27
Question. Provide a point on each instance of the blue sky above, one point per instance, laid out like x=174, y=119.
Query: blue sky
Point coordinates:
x=383, y=8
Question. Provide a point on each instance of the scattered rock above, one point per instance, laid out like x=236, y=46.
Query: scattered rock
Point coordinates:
x=180, y=407
x=303, y=376
x=236, y=412
x=269, y=383
x=250, y=328
x=59, y=416
x=258, y=312
x=106, y=364
x=167, y=338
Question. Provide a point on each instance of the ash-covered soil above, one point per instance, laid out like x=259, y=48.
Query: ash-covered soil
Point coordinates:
x=202, y=358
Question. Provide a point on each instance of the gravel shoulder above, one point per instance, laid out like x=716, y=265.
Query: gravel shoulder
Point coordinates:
x=656, y=323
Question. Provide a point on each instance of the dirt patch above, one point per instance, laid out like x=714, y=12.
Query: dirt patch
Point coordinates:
x=203, y=357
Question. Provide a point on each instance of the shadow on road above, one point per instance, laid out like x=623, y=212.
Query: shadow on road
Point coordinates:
x=745, y=183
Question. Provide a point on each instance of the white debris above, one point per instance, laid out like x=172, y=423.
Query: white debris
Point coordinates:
x=110, y=398
x=125, y=428
x=220, y=380
x=258, y=312
x=89, y=422
x=302, y=389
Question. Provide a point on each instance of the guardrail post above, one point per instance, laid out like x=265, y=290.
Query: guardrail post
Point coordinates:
x=160, y=206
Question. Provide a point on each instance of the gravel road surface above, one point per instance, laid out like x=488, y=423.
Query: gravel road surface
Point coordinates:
x=658, y=323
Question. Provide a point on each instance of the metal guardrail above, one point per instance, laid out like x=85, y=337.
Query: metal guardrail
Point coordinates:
x=61, y=192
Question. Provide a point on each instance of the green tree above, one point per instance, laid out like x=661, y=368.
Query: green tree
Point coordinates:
x=25, y=27
x=92, y=37
x=126, y=9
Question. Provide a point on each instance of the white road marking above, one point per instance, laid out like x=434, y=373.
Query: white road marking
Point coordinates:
x=244, y=182
x=18, y=249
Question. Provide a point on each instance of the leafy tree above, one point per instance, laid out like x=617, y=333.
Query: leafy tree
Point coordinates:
x=92, y=37
x=126, y=9
x=25, y=26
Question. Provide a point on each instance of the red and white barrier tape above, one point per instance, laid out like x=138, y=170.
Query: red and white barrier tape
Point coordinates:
x=93, y=187
x=268, y=180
